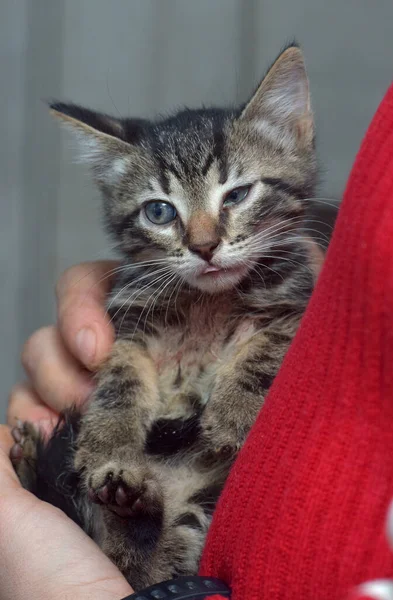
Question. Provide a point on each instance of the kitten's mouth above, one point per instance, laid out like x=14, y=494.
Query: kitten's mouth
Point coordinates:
x=210, y=269
x=214, y=278
x=213, y=271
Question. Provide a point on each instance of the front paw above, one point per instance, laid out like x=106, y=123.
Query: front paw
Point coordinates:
x=127, y=492
x=221, y=436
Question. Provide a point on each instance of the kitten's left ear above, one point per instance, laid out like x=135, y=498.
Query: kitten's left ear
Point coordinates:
x=105, y=142
x=282, y=100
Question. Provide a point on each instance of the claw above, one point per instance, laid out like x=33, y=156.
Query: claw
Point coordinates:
x=17, y=434
x=103, y=494
x=125, y=500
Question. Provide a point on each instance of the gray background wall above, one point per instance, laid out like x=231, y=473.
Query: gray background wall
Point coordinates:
x=139, y=57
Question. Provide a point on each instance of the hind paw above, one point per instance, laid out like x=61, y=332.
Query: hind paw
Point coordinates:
x=128, y=493
x=23, y=453
x=25, y=437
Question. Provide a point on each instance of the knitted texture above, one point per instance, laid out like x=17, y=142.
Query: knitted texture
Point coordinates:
x=303, y=513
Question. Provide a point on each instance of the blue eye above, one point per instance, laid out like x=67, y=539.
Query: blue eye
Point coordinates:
x=237, y=195
x=159, y=212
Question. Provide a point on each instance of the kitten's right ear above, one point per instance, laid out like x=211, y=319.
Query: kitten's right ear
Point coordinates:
x=103, y=140
x=282, y=100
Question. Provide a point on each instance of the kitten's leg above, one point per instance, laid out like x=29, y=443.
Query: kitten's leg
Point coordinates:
x=147, y=553
x=127, y=487
x=44, y=467
x=133, y=509
x=240, y=388
x=114, y=428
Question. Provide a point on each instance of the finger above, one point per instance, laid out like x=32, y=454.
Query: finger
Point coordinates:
x=316, y=256
x=8, y=478
x=54, y=374
x=25, y=405
x=6, y=440
x=83, y=322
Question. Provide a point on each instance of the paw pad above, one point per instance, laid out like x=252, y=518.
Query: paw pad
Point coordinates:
x=125, y=500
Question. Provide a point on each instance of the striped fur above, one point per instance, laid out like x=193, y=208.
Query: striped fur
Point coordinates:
x=204, y=308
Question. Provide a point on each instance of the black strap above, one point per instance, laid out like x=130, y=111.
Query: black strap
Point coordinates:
x=182, y=588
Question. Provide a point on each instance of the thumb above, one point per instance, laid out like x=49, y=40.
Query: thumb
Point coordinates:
x=9, y=481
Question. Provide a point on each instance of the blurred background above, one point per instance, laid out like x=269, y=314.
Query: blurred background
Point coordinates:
x=139, y=57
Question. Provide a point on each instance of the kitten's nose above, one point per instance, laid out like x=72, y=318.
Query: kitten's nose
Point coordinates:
x=206, y=250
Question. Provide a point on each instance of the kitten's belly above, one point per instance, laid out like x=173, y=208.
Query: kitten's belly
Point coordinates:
x=187, y=365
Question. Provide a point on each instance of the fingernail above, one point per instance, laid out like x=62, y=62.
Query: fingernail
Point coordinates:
x=86, y=341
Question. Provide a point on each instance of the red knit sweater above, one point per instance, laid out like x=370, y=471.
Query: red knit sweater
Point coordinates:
x=303, y=513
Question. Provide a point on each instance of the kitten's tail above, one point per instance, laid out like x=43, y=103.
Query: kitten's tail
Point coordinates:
x=48, y=470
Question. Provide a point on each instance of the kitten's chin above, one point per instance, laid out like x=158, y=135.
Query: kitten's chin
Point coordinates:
x=214, y=282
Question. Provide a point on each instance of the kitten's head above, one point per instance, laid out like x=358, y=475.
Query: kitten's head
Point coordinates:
x=206, y=193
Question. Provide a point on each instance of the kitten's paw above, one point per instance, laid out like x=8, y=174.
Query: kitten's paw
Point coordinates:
x=23, y=453
x=221, y=438
x=25, y=447
x=128, y=492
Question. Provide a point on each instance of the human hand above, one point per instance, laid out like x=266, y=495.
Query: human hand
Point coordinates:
x=43, y=554
x=59, y=359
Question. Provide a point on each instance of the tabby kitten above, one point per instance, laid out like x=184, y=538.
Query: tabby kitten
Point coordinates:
x=208, y=209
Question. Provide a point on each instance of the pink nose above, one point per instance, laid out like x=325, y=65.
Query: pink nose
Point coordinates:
x=205, y=251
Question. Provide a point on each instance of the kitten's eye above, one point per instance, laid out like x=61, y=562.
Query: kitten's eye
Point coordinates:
x=160, y=213
x=237, y=195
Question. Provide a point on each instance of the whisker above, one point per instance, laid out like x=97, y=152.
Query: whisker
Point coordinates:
x=152, y=305
x=119, y=268
x=135, y=281
x=155, y=295
x=181, y=281
x=334, y=204
x=114, y=271
x=274, y=243
x=177, y=286
x=294, y=262
x=139, y=291
x=277, y=227
x=167, y=301
x=285, y=223
x=260, y=275
x=278, y=232
x=270, y=269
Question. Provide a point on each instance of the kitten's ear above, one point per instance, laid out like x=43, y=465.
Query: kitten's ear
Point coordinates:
x=103, y=140
x=282, y=100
